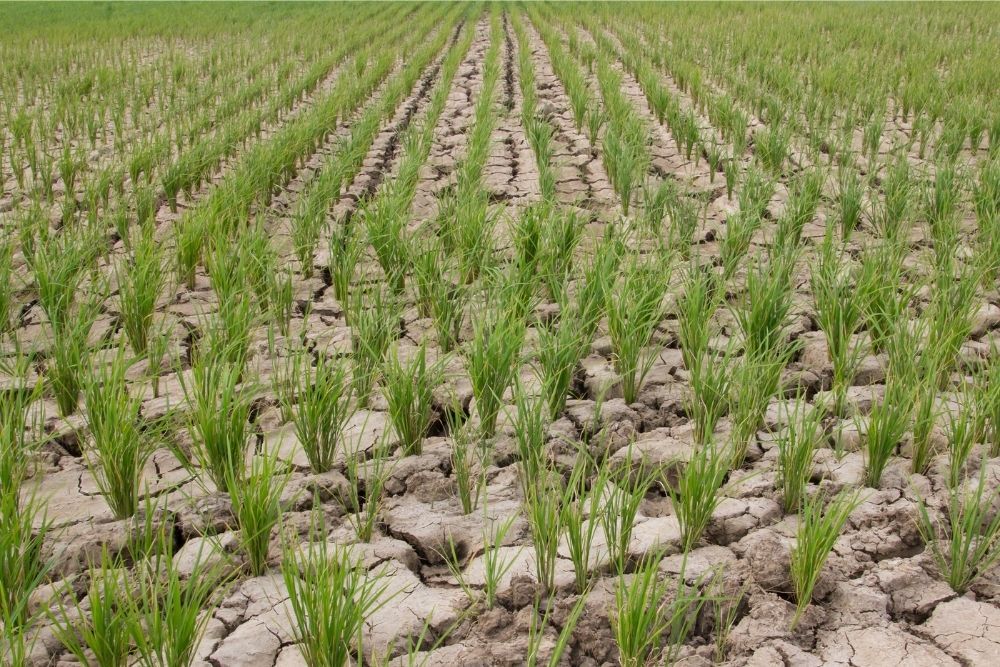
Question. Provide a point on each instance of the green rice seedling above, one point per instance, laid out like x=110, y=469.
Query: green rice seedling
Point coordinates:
x=119, y=446
x=596, y=119
x=771, y=147
x=883, y=302
x=365, y=493
x=684, y=219
x=375, y=318
x=711, y=392
x=99, y=634
x=585, y=493
x=634, y=310
x=754, y=382
x=988, y=389
x=801, y=208
x=850, y=198
x=969, y=545
x=656, y=203
x=7, y=302
x=986, y=201
x=697, y=493
x=740, y=229
x=188, y=244
x=256, y=501
x=157, y=347
x=926, y=410
x=24, y=528
x=536, y=632
x=964, y=431
x=695, y=308
x=561, y=346
x=19, y=435
x=428, y=271
x=940, y=208
x=888, y=422
x=469, y=461
x=819, y=529
x=474, y=233
x=561, y=236
x=331, y=595
x=951, y=312
x=763, y=317
x=529, y=434
x=70, y=353
x=495, y=566
x=409, y=390
x=898, y=194
x=839, y=314
x=528, y=234
x=492, y=356
x=651, y=622
x=621, y=506
x=796, y=447
x=318, y=402
x=307, y=226
x=447, y=303
x=346, y=250
x=725, y=613
x=168, y=613
x=281, y=299
x=386, y=228
x=756, y=192
x=730, y=169
x=60, y=263
x=219, y=420
x=140, y=282
x=638, y=624
x=543, y=504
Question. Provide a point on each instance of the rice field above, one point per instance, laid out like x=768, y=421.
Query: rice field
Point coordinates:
x=436, y=334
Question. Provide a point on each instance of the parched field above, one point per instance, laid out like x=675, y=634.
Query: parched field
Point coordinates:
x=499, y=334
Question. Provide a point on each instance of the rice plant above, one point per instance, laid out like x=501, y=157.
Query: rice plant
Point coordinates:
x=7, y=302
x=763, y=316
x=219, y=419
x=796, y=448
x=495, y=565
x=820, y=524
x=469, y=461
x=493, y=354
x=140, y=282
x=850, y=202
x=967, y=543
x=652, y=620
x=70, y=359
x=409, y=390
x=119, y=446
x=697, y=492
x=168, y=613
x=317, y=399
x=536, y=630
x=753, y=382
x=365, y=491
x=100, y=632
x=561, y=346
x=586, y=486
x=624, y=495
x=839, y=315
x=964, y=431
x=634, y=310
x=256, y=503
x=888, y=421
x=374, y=325
x=346, y=249
x=543, y=504
x=330, y=595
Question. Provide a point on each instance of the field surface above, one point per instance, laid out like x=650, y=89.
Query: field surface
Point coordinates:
x=499, y=334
